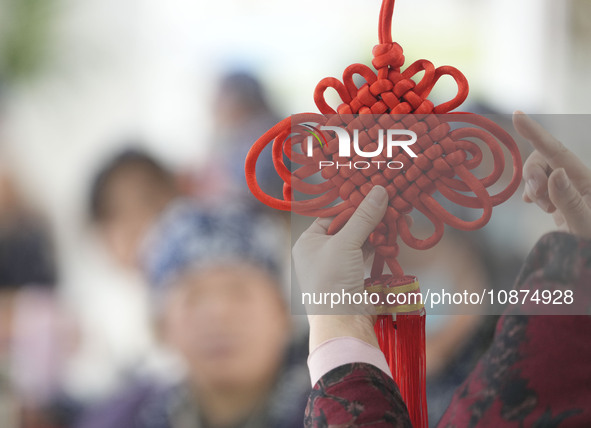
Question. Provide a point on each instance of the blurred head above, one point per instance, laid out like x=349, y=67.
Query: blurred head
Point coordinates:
x=127, y=195
x=240, y=96
x=216, y=285
x=26, y=245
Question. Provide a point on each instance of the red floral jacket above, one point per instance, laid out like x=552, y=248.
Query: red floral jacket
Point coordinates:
x=536, y=373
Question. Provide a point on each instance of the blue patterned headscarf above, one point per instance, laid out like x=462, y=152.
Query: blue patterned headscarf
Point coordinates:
x=189, y=235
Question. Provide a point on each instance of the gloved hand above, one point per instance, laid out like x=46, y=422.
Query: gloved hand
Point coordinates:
x=336, y=264
x=556, y=179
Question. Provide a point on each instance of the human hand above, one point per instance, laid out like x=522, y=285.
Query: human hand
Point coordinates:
x=334, y=264
x=555, y=178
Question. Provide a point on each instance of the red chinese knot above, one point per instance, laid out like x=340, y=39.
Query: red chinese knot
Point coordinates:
x=444, y=163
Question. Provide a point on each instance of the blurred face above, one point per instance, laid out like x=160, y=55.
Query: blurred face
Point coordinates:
x=229, y=324
x=133, y=200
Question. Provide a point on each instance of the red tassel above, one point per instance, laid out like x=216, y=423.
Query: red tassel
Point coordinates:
x=403, y=343
x=411, y=365
x=385, y=329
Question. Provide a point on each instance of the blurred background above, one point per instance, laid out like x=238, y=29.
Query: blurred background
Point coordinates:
x=88, y=86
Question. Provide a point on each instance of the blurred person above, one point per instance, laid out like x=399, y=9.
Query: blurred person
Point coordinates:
x=241, y=114
x=36, y=336
x=217, y=286
x=127, y=195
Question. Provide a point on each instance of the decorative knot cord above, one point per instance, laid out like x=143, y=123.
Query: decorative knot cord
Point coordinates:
x=446, y=157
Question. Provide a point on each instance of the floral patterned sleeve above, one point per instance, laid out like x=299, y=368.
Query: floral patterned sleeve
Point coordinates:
x=537, y=371
x=357, y=394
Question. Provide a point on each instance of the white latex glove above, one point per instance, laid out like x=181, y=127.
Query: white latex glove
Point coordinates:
x=556, y=179
x=325, y=263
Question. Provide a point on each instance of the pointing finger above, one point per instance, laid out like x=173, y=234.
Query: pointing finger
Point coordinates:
x=553, y=151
